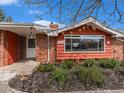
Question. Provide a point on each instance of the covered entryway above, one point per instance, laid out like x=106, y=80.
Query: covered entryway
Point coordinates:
x=17, y=42
x=15, y=47
x=12, y=47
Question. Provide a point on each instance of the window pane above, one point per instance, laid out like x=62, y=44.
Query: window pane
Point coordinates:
x=90, y=45
x=76, y=45
x=31, y=43
x=101, y=45
x=68, y=44
x=84, y=43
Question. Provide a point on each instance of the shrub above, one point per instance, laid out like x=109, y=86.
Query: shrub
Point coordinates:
x=60, y=75
x=45, y=67
x=95, y=75
x=89, y=62
x=81, y=72
x=108, y=63
x=104, y=62
x=67, y=64
x=122, y=63
x=89, y=75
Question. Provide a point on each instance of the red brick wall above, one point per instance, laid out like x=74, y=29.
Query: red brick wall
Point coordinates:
x=112, y=50
x=118, y=49
x=42, y=48
x=11, y=49
x=61, y=55
x=14, y=47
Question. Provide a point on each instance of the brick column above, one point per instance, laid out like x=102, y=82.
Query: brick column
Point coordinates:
x=41, y=48
x=52, y=47
x=1, y=48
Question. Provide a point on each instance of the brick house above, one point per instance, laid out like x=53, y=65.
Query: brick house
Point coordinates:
x=87, y=39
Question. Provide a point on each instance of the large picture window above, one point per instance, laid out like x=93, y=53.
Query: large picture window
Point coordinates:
x=84, y=43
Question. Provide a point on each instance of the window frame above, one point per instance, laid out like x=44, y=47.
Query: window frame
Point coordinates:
x=83, y=51
x=34, y=44
x=27, y=37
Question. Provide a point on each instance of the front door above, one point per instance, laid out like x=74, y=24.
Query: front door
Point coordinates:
x=31, y=51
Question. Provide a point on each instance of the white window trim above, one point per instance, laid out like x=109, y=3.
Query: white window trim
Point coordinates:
x=84, y=51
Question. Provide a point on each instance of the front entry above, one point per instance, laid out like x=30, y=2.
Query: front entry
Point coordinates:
x=31, y=51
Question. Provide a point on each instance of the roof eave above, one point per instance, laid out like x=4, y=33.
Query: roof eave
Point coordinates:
x=117, y=34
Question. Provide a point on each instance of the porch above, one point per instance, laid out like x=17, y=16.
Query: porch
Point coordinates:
x=17, y=42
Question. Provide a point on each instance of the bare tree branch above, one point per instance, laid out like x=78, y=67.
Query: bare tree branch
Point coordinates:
x=73, y=11
x=78, y=11
x=116, y=7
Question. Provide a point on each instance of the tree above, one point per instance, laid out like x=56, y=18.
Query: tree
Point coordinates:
x=9, y=19
x=2, y=15
x=73, y=11
x=4, y=18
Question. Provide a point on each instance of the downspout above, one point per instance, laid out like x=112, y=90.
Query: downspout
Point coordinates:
x=48, y=59
x=48, y=48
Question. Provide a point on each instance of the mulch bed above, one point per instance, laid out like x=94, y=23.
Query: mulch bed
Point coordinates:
x=40, y=82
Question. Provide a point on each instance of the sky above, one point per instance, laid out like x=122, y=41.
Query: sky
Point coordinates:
x=21, y=12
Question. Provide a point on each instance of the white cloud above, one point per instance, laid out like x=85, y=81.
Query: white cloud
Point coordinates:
x=43, y=22
x=8, y=2
x=31, y=12
x=46, y=23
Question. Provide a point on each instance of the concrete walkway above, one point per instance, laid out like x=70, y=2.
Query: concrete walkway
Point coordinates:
x=21, y=67
x=10, y=71
x=96, y=91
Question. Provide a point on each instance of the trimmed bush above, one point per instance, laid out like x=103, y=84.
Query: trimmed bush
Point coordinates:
x=67, y=64
x=108, y=63
x=89, y=62
x=45, y=67
x=60, y=75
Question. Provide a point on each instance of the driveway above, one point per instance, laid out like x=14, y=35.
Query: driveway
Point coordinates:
x=10, y=71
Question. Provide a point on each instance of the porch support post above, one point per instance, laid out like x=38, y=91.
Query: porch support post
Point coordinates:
x=1, y=48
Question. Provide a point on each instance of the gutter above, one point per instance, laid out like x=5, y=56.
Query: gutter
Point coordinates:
x=120, y=39
x=16, y=25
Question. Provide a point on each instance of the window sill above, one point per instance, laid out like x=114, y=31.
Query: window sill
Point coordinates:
x=85, y=52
